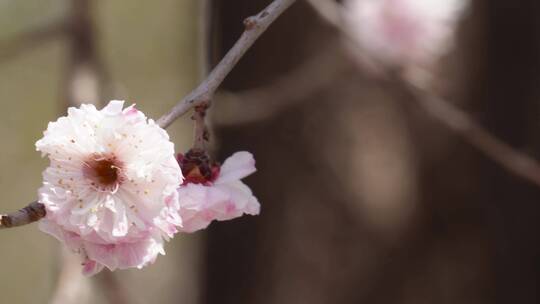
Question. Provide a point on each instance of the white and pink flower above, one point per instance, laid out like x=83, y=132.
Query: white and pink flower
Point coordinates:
x=111, y=188
x=404, y=32
x=212, y=192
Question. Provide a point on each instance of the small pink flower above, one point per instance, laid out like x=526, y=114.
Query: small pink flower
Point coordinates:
x=212, y=192
x=404, y=32
x=110, y=190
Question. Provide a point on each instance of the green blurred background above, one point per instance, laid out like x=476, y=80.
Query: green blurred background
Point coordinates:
x=152, y=52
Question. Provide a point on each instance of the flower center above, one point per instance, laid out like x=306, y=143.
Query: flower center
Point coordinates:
x=104, y=172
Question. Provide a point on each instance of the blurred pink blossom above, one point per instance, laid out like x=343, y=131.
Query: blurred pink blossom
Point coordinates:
x=110, y=190
x=404, y=32
x=211, y=192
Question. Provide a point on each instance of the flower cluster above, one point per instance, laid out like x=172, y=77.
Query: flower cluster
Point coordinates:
x=114, y=191
x=404, y=32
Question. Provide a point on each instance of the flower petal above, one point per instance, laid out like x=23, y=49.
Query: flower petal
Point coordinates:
x=91, y=267
x=236, y=167
x=200, y=205
x=113, y=108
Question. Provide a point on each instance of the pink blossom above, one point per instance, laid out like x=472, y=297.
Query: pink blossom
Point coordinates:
x=404, y=32
x=211, y=192
x=110, y=190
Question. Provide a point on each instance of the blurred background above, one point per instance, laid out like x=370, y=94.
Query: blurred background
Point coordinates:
x=365, y=198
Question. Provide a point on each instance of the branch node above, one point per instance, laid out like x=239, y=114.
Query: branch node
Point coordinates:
x=251, y=23
x=201, y=108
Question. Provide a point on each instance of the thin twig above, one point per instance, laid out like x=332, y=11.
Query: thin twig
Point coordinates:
x=460, y=122
x=200, y=130
x=290, y=89
x=445, y=112
x=29, y=214
x=254, y=27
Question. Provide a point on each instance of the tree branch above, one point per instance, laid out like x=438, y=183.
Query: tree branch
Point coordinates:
x=254, y=27
x=445, y=112
x=200, y=136
x=460, y=122
x=29, y=214
x=292, y=88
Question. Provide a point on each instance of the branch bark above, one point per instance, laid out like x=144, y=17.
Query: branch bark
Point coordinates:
x=200, y=130
x=29, y=214
x=255, y=26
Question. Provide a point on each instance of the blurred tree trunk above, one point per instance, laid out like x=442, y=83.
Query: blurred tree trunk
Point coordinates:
x=364, y=198
x=511, y=109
